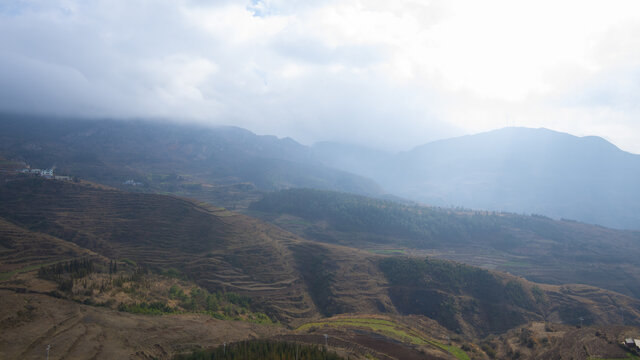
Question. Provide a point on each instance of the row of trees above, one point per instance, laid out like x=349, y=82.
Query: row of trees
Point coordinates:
x=76, y=269
x=64, y=273
x=262, y=350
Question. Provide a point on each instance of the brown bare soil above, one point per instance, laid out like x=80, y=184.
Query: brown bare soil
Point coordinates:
x=558, y=341
x=30, y=322
x=20, y=248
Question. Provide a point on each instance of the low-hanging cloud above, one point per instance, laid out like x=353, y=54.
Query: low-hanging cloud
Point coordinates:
x=391, y=74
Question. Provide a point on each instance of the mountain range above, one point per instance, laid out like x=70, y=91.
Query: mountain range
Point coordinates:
x=520, y=170
x=169, y=156
x=166, y=239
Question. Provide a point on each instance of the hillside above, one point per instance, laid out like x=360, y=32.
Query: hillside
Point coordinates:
x=557, y=341
x=221, y=164
x=30, y=322
x=522, y=170
x=221, y=250
x=216, y=247
x=186, y=265
x=536, y=247
x=21, y=248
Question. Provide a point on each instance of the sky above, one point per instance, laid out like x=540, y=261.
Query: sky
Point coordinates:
x=387, y=74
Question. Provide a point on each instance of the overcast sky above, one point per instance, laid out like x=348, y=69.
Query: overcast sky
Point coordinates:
x=384, y=73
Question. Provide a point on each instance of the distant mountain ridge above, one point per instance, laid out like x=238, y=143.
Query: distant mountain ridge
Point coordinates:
x=169, y=157
x=522, y=170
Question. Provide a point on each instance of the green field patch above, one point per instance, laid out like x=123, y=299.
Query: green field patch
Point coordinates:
x=387, y=328
x=129, y=262
x=377, y=325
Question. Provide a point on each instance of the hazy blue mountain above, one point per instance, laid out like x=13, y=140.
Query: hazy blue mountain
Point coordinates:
x=517, y=170
x=152, y=152
x=513, y=169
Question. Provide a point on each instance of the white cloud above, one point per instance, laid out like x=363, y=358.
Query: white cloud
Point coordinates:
x=179, y=77
x=391, y=73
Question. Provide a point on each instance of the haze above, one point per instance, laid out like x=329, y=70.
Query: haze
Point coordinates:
x=356, y=179
x=384, y=74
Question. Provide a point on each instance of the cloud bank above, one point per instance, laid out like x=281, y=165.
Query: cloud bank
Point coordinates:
x=380, y=73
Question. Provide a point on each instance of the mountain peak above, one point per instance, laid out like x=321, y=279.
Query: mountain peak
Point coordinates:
x=528, y=170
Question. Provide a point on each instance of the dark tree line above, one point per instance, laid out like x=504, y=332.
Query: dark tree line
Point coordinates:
x=65, y=272
x=113, y=267
x=262, y=350
x=75, y=269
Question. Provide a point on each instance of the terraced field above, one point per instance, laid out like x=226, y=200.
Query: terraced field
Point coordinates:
x=30, y=322
x=220, y=250
x=297, y=282
x=23, y=250
x=386, y=327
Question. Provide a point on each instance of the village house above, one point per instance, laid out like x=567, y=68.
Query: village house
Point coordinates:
x=48, y=173
x=632, y=343
x=132, y=182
